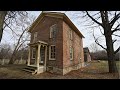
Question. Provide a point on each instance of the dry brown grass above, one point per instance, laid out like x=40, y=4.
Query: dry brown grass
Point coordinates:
x=95, y=70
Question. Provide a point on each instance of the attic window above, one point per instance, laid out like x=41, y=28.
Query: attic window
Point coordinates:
x=53, y=29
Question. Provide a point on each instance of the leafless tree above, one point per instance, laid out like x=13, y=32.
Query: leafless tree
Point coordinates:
x=109, y=25
x=7, y=18
x=21, y=25
x=94, y=47
x=5, y=52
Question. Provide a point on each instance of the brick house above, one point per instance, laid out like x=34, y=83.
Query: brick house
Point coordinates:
x=56, y=44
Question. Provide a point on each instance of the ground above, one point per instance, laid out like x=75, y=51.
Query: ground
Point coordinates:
x=94, y=70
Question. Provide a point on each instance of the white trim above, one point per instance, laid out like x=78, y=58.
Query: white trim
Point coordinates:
x=33, y=48
x=28, y=63
x=50, y=53
x=51, y=30
x=70, y=34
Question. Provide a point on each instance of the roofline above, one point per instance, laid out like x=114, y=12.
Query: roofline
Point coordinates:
x=65, y=18
x=75, y=28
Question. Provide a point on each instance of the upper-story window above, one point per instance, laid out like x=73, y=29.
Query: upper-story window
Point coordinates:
x=53, y=30
x=70, y=34
x=35, y=37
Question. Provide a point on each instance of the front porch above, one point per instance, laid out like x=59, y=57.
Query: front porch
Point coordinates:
x=37, y=61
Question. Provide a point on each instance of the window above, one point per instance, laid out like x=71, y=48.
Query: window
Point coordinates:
x=35, y=36
x=70, y=34
x=53, y=30
x=52, y=52
x=71, y=53
x=33, y=53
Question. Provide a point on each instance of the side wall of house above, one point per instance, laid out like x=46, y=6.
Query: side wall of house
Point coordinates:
x=77, y=44
x=43, y=29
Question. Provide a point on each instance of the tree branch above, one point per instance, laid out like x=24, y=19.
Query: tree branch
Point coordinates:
x=117, y=50
x=10, y=28
x=94, y=19
x=116, y=35
x=96, y=40
x=101, y=31
x=114, y=41
x=115, y=18
x=116, y=29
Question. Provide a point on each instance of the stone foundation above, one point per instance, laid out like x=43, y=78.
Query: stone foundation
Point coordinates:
x=64, y=70
x=75, y=67
x=41, y=69
x=54, y=70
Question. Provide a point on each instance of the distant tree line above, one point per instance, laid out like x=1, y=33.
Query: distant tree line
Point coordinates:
x=102, y=55
x=6, y=52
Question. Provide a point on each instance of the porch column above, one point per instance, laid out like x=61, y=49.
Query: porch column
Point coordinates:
x=28, y=62
x=45, y=57
x=38, y=55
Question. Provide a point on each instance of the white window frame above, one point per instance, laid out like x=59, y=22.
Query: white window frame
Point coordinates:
x=71, y=34
x=50, y=53
x=52, y=28
x=71, y=50
x=33, y=52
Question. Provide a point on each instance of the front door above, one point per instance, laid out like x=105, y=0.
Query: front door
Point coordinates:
x=42, y=54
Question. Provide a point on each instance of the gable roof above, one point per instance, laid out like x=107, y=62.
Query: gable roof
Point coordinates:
x=57, y=15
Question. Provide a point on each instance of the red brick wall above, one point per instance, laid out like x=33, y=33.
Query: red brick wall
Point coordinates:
x=77, y=45
x=43, y=29
x=61, y=42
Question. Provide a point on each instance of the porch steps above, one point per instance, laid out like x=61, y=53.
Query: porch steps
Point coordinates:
x=30, y=69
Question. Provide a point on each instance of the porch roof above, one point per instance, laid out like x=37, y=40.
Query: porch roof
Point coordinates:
x=38, y=42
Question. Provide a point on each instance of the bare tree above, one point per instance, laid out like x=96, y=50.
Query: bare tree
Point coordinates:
x=5, y=52
x=109, y=23
x=94, y=47
x=21, y=25
x=7, y=18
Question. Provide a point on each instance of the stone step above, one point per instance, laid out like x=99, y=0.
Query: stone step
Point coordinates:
x=33, y=67
x=27, y=70
x=30, y=71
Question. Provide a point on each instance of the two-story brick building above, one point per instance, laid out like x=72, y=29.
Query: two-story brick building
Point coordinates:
x=56, y=44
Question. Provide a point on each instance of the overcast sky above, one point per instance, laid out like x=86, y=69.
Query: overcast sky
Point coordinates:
x=78, y=22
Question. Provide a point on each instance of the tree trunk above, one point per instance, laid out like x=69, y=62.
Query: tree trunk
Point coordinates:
x=12, y=59
x=2, y=17
x=110, y=54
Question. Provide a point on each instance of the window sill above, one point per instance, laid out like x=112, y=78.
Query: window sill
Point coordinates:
x=52, y=59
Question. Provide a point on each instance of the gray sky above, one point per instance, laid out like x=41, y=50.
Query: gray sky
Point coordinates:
x=78, y=22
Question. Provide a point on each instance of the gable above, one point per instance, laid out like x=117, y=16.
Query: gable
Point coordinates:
x=55, y=15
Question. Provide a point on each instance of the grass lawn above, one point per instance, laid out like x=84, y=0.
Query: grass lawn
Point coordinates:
x=95, y=70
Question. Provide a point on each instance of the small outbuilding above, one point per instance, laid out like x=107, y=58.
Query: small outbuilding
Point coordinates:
x=87, y=56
